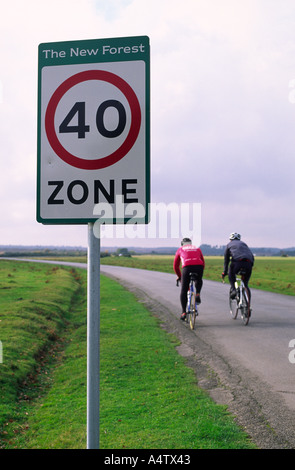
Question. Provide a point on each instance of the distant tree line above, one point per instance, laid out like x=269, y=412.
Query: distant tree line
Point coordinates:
x=208, y=250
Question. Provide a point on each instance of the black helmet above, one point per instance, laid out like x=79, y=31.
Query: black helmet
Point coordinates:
x=186, y=241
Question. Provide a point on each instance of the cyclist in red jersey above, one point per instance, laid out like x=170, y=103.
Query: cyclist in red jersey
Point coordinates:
x=192, y=261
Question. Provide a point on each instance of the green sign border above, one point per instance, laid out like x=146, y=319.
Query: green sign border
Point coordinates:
x=61, y=56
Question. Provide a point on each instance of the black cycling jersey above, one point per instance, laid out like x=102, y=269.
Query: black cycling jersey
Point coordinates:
x=236, y=250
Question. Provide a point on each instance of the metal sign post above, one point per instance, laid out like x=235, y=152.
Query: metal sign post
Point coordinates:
x=93, y=150
x=93, y=339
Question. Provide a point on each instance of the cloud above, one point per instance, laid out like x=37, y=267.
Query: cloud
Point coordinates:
x=222, y=121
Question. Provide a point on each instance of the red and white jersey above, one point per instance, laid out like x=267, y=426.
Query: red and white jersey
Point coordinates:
x=188, y=255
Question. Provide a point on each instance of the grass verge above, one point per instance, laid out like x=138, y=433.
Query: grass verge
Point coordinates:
x=34, y=314
x=149, y=398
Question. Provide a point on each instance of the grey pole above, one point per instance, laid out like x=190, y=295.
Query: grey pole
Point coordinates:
x=93, y=338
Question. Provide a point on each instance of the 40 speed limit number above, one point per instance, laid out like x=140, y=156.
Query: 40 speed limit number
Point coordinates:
x=109, y=138
x=93, y=138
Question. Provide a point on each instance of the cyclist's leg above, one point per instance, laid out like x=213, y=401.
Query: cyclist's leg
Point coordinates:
x=247, y=287
x=235, y=267
x=199, y=283
x=184, y=288
x=232, y=274
x=192, y=310
x=247, y=267
x=246, y=310
x=198, y=270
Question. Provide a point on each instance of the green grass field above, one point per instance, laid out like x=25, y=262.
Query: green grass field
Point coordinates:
x=145, y=384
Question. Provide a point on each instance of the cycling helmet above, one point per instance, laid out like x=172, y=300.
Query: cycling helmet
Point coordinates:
x=186, y=241
x=235, y=236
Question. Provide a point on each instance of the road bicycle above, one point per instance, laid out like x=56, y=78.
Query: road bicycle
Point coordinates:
x=191, y=306
x=242, y=299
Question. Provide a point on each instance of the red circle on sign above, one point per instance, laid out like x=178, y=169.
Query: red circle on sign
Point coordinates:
x=128, y=143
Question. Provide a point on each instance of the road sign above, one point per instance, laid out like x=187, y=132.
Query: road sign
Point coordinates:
x=93, y=129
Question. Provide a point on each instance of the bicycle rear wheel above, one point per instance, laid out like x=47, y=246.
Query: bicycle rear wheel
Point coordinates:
x=192, y=311
x=233, y=307
x=245, y=308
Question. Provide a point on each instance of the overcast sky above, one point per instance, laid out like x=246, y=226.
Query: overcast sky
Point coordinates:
x=222, y=101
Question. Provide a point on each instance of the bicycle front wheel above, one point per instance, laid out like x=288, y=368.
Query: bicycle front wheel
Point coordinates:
x=233, y=307
x=245, y=308
x=192, y=311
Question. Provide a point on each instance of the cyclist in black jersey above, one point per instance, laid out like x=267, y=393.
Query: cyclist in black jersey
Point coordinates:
x=237, y=256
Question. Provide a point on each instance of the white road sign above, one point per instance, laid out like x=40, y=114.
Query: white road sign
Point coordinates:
x=93, y=130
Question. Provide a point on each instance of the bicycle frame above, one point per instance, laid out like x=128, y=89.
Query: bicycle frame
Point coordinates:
x=242, y=300
x=192, y=307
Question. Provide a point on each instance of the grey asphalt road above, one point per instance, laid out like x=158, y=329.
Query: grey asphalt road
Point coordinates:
x=245, y=367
